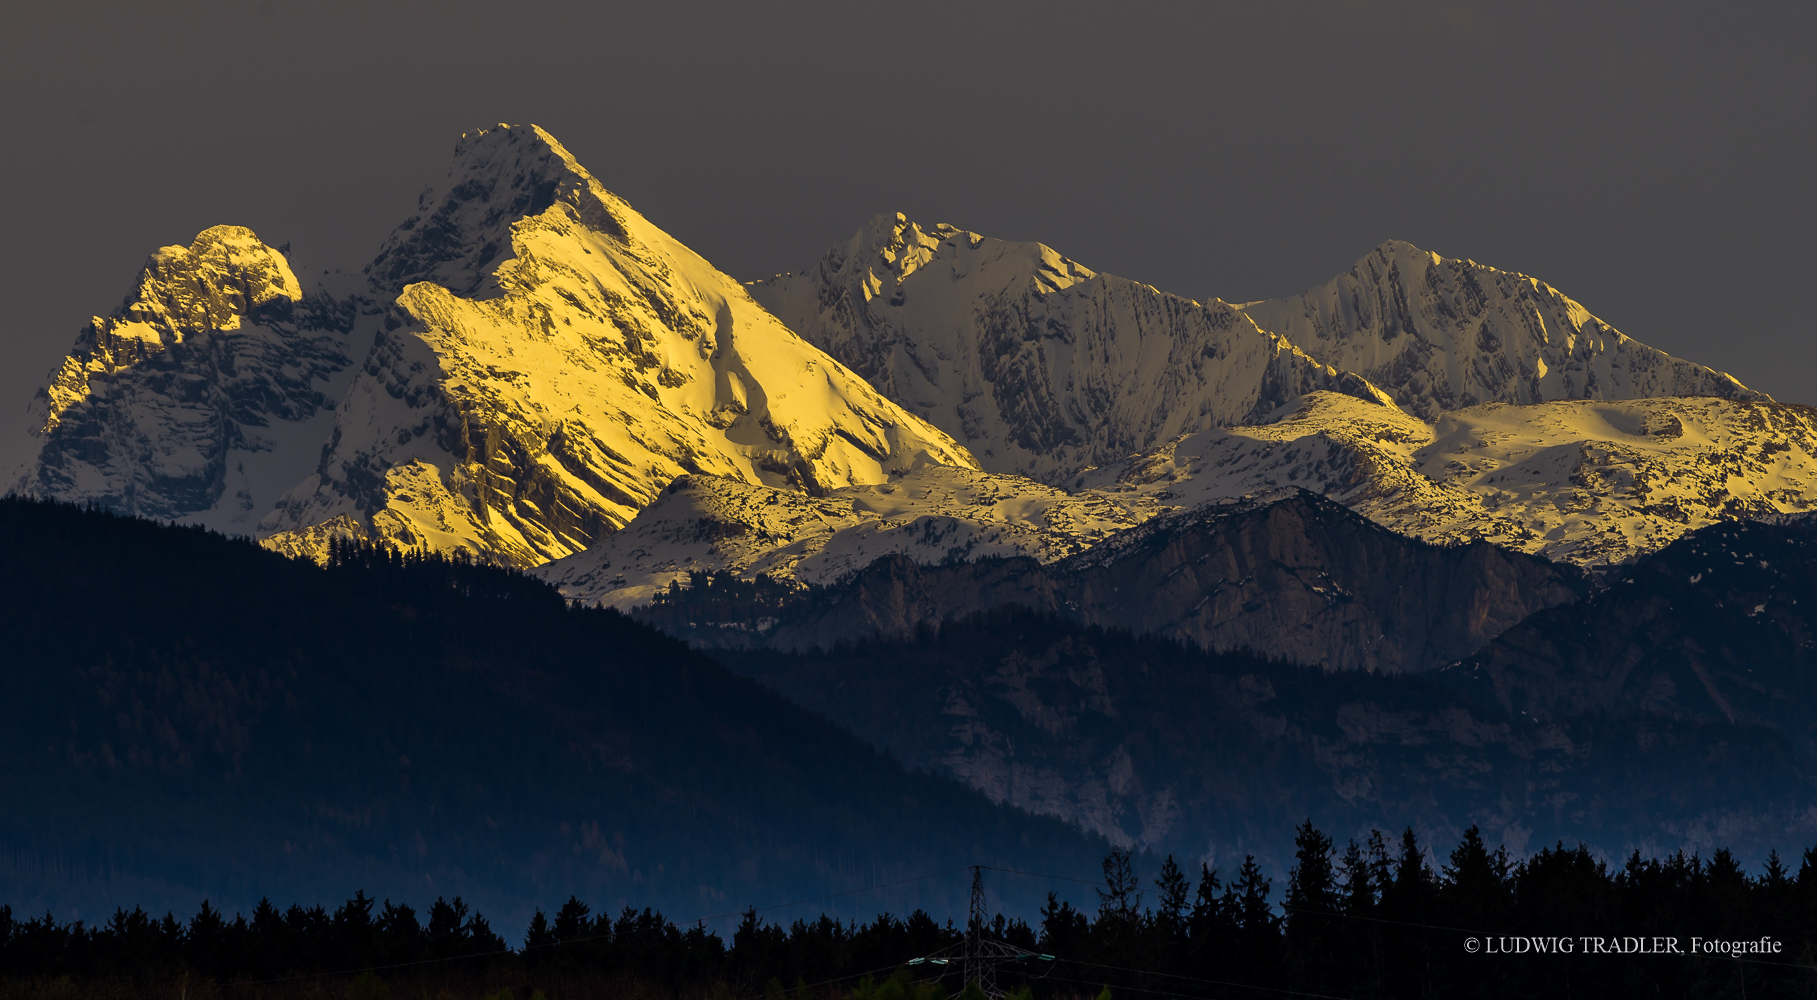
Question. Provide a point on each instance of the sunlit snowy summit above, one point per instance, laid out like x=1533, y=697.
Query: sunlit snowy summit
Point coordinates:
x=1041, y=366
x=551, y=360
x=542, y=361
x=204, y=393
x=530, y=372
x=1445, y=399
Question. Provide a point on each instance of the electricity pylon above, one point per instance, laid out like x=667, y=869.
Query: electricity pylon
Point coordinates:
x=978, y=955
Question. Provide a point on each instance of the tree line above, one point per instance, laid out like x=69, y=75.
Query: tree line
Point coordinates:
x=1380, y=918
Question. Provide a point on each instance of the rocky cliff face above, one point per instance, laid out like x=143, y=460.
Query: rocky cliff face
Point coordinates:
x=203, y=395
x=1310, y=581
x=553, y=360
x=1293, y=576
x=1440, y=334
x=1039, y=365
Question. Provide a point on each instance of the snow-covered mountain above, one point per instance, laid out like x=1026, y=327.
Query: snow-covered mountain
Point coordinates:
x=1044, y=368
x=1039, y=365
x=934, y=514
x=1440, y=334
x=541, y=362
x=206, y=394
x=1588, y=482
x=553, y=360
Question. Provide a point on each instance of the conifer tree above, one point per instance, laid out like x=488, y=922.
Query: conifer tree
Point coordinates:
x=1258, y=927
x=1121, y=897
x=1312, y=907
x=1475, y=888
x=539, y=936
x=1171, y=888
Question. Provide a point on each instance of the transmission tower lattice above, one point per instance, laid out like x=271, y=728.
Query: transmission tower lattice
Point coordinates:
x=979, y=955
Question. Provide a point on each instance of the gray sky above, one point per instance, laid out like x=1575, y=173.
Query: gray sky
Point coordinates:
x=1653, y=161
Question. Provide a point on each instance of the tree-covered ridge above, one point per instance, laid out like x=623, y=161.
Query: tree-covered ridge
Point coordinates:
x=1224, y=753
x=186, y=715
x=1382, y=918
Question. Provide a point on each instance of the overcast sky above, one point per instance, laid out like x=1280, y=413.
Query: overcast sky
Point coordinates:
x=1653, y=161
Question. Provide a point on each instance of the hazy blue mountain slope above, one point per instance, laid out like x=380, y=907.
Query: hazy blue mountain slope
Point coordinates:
x=1158, y=745
x=1721, y=625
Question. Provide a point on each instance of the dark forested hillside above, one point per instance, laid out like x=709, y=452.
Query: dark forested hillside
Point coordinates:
x=186, y=716
x=1167, y=747
x=1721, y=625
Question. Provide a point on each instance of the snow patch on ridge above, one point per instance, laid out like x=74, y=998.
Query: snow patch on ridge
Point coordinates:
x=934, y=514
x=1588, y=482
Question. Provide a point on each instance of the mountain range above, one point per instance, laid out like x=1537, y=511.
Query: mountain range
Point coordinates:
x=542, y=362
x=1073, y=514
x=526, y=363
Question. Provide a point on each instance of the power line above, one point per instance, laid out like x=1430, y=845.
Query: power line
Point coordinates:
x=818, y=899
x=1243, y=988
x=1191, y=979
x=835, y=979
x=1057, y=878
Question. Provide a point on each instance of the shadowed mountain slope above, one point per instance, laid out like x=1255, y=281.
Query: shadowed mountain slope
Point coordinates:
x=184, y=716
x=1291, y=575
x=1718, y=626
x=1161, y=746
x=1040, y=366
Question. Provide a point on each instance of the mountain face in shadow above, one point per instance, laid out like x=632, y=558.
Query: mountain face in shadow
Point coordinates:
x=1291, y=575
x=1720, y=626
x=188, y=716
x=1164, y=747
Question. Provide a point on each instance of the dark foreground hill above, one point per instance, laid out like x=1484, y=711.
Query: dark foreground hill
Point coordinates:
x=186, y=716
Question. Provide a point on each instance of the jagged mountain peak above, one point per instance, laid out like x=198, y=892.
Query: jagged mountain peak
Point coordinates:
x=462, y=229
x=539, y=362
x=1440, y=333
x=225, y=271
x=891, y=246
x=177, y=404
x=1039, y=365
x=224, y=276
x=551, y=360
